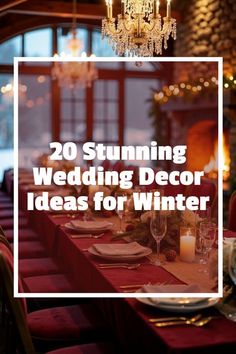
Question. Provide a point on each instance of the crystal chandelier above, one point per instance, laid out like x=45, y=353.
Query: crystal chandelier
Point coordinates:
x=139, y=30
x=72, y=73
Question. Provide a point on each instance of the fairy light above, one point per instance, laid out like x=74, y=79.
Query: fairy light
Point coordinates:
x=185, y=88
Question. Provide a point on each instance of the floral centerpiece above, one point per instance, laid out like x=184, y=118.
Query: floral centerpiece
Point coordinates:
x=138, y=229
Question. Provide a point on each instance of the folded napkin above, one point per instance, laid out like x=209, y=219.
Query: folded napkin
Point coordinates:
x=177, y=288
x=229, y=240
x=171, y=288
x=95, y=225
x=127, y=249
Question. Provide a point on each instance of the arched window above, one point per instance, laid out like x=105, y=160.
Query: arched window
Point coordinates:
x=99, y=113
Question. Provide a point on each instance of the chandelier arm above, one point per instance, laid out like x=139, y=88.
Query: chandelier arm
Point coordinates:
x=74, y=16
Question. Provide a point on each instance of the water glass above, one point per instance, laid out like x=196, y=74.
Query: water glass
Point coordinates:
x=158, y=228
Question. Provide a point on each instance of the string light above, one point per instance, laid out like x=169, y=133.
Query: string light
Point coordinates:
x=185, y=88
x=230, y=82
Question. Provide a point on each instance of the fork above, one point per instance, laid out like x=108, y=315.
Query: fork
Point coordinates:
x=176, y=318
x=200, y=323
x=126, y=266
x=72, y=216
x=87, y=236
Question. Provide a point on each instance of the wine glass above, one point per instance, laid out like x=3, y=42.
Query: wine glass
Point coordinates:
x=232, y=262
x=121, y=213
x=200, y=244
x=158, y=228
x=208, y=234
x=231, y=309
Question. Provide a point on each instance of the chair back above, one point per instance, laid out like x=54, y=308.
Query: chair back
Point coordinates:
x=232, y=212
x=15, y=305
x=205, y=189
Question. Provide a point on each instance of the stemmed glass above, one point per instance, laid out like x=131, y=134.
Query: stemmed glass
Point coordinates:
x=207, y=230
x=158, y=228
x=121, y=213
x=232, y=272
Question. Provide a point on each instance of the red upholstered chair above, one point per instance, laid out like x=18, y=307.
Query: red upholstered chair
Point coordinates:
x=106, y=165
x=39, y=266
x=207, y=188
x=4, y=198
x=52, y=327
x=23, y=234
x=92, y=348
x=6, y=213
x=135, y=173
x=118, y=166
x=153, y=185
x=232, y=212
x=6, y=205
x=31, y=249
x=172, y=191
x=7, y=223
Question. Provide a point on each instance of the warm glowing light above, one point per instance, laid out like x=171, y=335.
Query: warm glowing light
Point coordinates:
x=41, y=79
x=139, y=30
x=211, y=169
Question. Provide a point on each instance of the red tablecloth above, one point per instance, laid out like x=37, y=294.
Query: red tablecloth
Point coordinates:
x=128, y=317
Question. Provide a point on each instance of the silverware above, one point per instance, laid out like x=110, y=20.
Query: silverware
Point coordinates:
x=176, y=318
x=72, y=216
x=87, y=236
x=131, y=286
x=110, y=266
x=200, y=323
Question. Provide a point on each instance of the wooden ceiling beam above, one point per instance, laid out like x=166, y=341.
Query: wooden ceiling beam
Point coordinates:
x=61, y=9
x=6, y=5
x=33, y=22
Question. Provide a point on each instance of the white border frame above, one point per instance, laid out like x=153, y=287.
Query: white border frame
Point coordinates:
x=218, y=60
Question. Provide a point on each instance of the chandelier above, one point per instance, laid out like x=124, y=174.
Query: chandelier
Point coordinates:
x=74, y=73
x=139, y=30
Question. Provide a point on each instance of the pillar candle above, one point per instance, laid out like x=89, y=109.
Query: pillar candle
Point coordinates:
x=168, y=10
x=187, y=248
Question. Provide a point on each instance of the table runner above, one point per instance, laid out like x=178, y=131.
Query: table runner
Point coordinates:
x=127, y=317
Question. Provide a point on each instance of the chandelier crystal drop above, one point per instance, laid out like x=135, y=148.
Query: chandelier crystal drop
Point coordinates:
x=74, y=73
x=139, y=30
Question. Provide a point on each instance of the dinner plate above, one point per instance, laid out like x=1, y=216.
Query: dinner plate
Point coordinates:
x=120, y=258
x=179, y=308
x=88, y=230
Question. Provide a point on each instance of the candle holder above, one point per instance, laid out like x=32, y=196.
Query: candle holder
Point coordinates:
x=187, y=243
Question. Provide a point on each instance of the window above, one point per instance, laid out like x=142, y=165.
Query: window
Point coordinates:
x=138, y=125
x=106, y=111
x=6, y=122
x=73, y=114
x=38, y=43
x=10, y=49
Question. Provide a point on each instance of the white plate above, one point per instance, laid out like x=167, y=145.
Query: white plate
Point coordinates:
x=122, y=258
x=88, y=231
x=179, y=308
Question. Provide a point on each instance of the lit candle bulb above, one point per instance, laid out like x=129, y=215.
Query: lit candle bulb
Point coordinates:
x=110, y=8
x=157, y=6
x=122, y=8
x=168, y=10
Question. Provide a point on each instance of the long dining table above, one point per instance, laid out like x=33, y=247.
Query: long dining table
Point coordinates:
x=127, y=316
